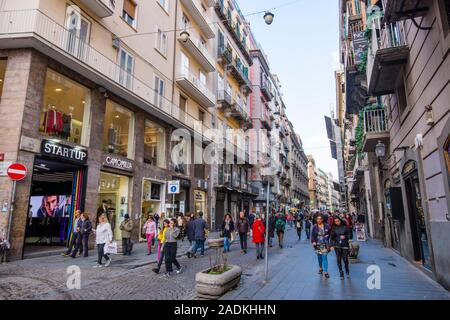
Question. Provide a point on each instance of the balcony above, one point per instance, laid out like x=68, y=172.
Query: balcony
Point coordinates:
x=237, y=70
x=210, y=3
x=102, y=8
x=224, y=99
x=387, y=55
x=396, y=10
x=240, y=112
x=34, y=29
x=198, y=50
x=265, y=90
x=224, y=55
x=375, y=129
x=194, y=7
x=197, y=90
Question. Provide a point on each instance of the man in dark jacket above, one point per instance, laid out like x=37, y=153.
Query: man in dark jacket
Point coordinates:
x=76, y=236
x=199, y=235
x=243, y=226
x=190, y=233
x=271, y=229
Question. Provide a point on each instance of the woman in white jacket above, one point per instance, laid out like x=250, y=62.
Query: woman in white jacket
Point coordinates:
x=103, y=236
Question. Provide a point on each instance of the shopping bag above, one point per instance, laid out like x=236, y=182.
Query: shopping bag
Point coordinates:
x=111, y=248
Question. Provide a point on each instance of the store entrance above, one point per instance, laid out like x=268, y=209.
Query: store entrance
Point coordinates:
x=57, y=191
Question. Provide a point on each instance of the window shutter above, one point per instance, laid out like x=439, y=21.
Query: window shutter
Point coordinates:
x=130, y=8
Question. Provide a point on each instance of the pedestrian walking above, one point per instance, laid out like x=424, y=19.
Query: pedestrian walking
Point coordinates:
x=180, y=224
x=251, y=219
x=227, y=232
x=339, y=237
x=308, y=226
x=259, y=236
x=299, y=226
x=126, y=226
x=86, y=229
x=103, y=236
x=190, y=233
x=75, y=240
x=243, y=227
x=150, y=233
x=271, y=229
x=170, y=247
x=199, y=235
x=349, y=222
x=320, y=237
x=161, y=242
x=280, y=226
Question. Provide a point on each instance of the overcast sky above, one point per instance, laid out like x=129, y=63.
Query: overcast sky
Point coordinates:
x=303, y=49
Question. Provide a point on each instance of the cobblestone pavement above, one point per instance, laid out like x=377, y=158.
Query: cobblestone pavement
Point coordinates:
x=126, y=277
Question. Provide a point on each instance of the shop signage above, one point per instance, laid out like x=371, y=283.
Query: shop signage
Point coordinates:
x=360, y=44
x=3, y=167
x=118, y=163
x=199, y=195
x=409, y=167
x=55, y=149
x=173, y=187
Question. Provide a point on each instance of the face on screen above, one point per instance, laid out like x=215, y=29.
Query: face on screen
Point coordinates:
x=50, y=204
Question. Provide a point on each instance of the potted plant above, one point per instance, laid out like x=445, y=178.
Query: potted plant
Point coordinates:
x=220, y=277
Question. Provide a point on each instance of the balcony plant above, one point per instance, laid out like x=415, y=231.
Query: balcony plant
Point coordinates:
x=359, y=130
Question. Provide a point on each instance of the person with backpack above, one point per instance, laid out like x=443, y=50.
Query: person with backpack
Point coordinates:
x=227, y=231
x=299, y=226
x=280, y=226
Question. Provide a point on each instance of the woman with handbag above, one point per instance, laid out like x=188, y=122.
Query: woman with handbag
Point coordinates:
x=103, y=236
x=339, y=238
x=320, y=237
x=259, y=236
x=227, y=231
x=150, y=233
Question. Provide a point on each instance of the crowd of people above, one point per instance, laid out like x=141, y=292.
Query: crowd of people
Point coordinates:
x=326, y=231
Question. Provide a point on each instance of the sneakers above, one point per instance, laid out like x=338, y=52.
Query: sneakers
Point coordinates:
x=180, y=270
x=97, y=266
x=341, y=275
x=188, y=254
x=65, y=254
x=320, y=271
x=108, y=262
x=155, y=270
x=327, y=275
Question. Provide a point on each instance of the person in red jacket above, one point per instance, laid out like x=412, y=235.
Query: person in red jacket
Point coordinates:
x=259, y=230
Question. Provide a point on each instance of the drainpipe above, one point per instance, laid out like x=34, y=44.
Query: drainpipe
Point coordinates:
x=174, y=50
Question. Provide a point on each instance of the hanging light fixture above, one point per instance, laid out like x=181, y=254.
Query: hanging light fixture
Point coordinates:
x=380, y=149
x=268, y=17
x=184, y=36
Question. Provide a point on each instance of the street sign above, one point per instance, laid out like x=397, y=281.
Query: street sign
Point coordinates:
x=16, y=171
x=173, y=187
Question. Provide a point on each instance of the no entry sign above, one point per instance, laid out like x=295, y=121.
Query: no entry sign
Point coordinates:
x=16, y=171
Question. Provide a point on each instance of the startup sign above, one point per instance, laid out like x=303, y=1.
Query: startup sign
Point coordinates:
x=55, y=149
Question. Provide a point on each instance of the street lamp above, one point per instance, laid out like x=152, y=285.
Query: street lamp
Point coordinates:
x=380, y=149
x=184, y=36
x=268, y=17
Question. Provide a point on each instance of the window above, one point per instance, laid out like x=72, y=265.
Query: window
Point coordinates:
x=2, y=75
x=65, y=108
x=164, y=4
x=118, y=131
x=185, y=23
x=401, y=98
x=201, y=115
x=221, y=41
x=184, y=65
x=126, y=62
x=202, y=79
x=160, y=91
x=154, y=144
x=78, y=36
x=161, y=42
x=129, y=12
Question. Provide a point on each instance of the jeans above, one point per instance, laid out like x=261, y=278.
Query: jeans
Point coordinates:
x=226, y=244
x=78, y=244
x=243, y=240
x=149, y=242
x=162, y=254
x=323, y=261
x=126, y=246
x=308, y=232
x=299, y=233
x=199, y=244
x=101, y=253
x=342, y=254
x=85, y=244
x=170, y=252
x=259, y=249
x=76, y=237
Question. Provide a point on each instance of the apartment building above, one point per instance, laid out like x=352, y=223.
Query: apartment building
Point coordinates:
x=402, y=130
x=312, y=183
x=91, y=93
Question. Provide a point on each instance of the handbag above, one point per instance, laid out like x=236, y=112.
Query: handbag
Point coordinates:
x=110, y=248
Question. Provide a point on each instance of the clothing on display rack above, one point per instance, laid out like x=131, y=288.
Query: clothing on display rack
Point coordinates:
x=66, y=126
x=53, y=122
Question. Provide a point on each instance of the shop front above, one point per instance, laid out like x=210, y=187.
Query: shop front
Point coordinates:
x=57, y=190
x=179, y=202
x=200, y=202
x=114, y=190
x=153, y=199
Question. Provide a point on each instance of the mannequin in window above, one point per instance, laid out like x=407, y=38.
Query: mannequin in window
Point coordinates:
x=111, y=138
x=53, y=122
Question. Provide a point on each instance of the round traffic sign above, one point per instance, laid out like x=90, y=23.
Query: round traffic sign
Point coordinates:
x=17, y=171
x=173, y=188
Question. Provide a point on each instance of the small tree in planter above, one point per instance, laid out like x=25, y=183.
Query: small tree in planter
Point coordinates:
x=219, y=277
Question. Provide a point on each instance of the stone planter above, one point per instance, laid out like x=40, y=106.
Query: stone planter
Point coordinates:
x=216, y=243
x=212, y=286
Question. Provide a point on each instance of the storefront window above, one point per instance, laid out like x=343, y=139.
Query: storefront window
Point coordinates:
x=200, y=201
x=118, y=130
x=65, y=109
x=154, y=144
x=151, y=199
x=2, y=75
x=113, y=193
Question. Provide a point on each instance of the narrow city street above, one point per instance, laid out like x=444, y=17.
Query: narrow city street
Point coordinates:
x=293, y=275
